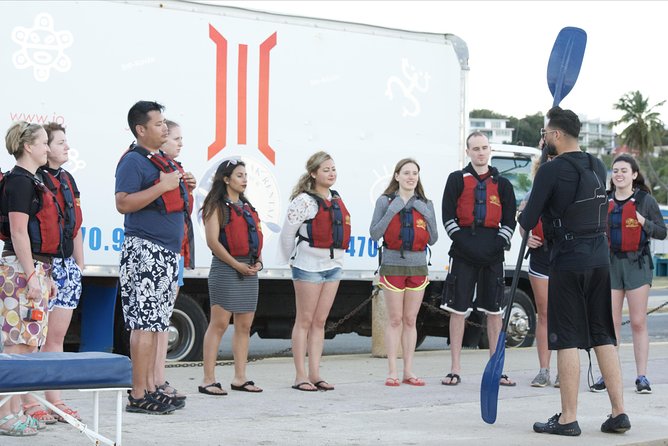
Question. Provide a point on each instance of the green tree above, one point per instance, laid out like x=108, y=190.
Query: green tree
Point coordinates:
x=527, y=129
x=482, y=113
x=644, y=129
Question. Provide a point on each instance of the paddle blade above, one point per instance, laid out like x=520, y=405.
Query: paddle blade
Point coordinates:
x=489, y=387
x=565, y=61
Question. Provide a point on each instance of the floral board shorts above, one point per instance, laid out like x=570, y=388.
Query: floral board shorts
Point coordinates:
x=148, y=277
x=67, y=275
x=14, y=303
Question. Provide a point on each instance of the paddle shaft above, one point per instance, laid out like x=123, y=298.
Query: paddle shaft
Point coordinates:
x=516, y=279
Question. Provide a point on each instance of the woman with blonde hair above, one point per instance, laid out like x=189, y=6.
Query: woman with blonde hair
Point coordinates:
x=313, y=239
x=406, y=221
x=31, y=228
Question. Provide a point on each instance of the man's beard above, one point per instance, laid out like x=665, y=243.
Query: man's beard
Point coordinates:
x=551, y=149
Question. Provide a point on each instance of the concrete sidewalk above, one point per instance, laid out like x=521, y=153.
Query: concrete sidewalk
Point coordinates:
x=362, y=411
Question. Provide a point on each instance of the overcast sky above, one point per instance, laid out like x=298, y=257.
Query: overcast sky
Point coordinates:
x=510, y=42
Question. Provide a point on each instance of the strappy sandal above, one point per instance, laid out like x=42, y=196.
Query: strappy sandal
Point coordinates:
x=18, y=429
x=35, y=423
x=148, y=405
x=65, y=408
x=40, y=414
x=165, y=388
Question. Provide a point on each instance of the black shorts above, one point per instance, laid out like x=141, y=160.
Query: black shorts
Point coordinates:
x=579, y=309
x=539, y=263
x=461, y=283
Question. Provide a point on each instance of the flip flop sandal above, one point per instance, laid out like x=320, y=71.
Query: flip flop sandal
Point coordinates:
x=507, y=382
x=392, y=382
x=413, y=381
x=454, y=379
x=205, y=390
x=323, y=385
x=245, y=387
x=301, y=387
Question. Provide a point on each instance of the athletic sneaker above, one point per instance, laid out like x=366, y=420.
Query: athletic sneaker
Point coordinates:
x=598, y=386
x=616, y=425
x=642, y=385
x=552, y=426
x=556, y=381
x=542, y=379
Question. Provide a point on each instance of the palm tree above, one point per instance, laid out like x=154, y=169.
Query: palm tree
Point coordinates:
x=644, y=130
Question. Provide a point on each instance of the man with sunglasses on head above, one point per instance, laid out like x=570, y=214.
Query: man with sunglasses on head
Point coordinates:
x=151, y=193
x=569, y=193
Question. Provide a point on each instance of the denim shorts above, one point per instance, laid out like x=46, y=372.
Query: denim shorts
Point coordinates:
x=330, y=275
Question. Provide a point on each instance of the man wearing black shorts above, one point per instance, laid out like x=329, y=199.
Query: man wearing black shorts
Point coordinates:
x=569, y=193
x=479, y=216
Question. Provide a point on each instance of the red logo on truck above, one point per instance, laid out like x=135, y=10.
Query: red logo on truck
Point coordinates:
x=242, y=85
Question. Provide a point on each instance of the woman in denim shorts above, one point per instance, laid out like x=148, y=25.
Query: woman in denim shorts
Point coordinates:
x=633, y=219
x=406, y=221
x=316, y=262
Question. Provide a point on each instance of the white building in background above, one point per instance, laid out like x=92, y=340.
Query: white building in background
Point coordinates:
x=495, y=129
x=594, y=132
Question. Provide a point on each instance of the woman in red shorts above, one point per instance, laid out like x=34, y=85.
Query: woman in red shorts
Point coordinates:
x=406, y=222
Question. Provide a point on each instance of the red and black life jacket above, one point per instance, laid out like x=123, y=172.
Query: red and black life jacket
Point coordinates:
x=45, y=223
x=407, y=231
x=175, y=200
x=479, y=203
x=63, y=186
x=330, y=228
x=625, y=232
x=538, y=231
x=242, y=235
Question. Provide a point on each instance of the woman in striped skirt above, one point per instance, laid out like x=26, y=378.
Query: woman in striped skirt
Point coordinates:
x=234, y=235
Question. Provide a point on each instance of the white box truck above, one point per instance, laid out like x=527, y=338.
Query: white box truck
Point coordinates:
x=271, y=89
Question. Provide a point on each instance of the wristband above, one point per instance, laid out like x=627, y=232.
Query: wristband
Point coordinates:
x=30, y=276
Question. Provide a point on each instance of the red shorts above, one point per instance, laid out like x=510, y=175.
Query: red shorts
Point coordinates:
x=403, y=283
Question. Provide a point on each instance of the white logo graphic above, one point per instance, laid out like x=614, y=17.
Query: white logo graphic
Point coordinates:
x=262, y=192
x=42, y=47
x=380, y=184
x=74, y=163
x=417, y=80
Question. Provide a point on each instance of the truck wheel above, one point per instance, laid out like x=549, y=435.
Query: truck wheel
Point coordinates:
x=521, y=330
x=522, y=324
x=186, y=330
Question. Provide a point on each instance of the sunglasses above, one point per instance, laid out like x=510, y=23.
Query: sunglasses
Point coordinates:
x=544, y=132
x=231, y=162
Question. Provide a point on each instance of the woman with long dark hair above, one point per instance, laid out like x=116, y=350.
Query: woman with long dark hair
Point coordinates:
x=633, y=219
x=234, y=235
x=406, y=221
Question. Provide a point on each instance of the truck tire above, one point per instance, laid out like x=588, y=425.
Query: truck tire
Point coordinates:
x=186, y=330
x=522, y=325
x=521, y=330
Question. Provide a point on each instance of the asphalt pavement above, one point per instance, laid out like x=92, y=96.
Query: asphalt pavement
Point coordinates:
x=362, y=411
